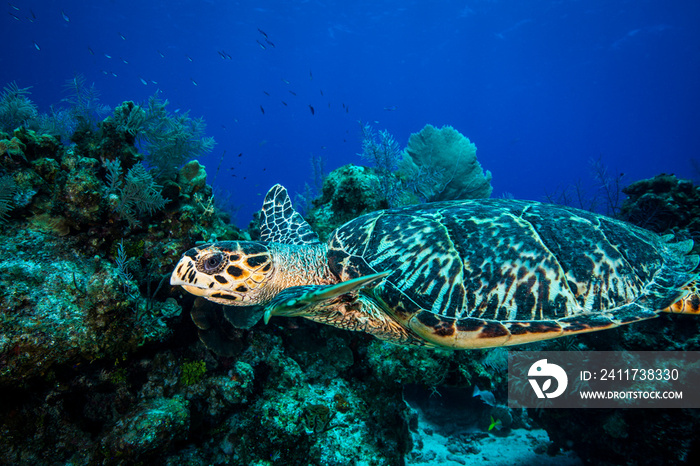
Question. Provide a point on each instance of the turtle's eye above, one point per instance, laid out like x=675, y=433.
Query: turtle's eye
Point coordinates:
x=211, y=264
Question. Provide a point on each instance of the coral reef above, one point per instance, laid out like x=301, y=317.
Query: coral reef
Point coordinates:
x=348, y=192
x=664, y=204
x=167, y=140
x=437, y=165
x=100, y=361
x=61, y=308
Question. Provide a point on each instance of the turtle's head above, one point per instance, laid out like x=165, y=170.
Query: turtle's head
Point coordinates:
x=234, y=273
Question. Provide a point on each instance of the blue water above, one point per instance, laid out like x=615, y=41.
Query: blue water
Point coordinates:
x=541, y=87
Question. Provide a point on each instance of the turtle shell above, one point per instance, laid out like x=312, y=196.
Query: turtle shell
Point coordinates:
x=465, y=273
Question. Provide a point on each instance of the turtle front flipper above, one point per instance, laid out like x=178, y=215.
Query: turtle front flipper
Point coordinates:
x=345, y=306
x=297, y=300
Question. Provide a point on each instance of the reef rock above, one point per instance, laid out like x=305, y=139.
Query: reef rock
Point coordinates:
x=348, y=192
x=662, y=204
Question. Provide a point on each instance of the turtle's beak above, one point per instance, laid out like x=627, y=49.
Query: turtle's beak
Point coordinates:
x=192, y=289
x=185, y=275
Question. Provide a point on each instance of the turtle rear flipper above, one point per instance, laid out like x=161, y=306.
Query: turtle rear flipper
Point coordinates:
x=296, y=300
x=690, y=303
x=688, y=281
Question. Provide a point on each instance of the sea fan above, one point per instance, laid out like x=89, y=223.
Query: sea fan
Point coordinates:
x=59, y=122
x=167, y=140
x=139, y=195
x=171, y=140
x=15, y=107
x=84, y=102
x=382, y=151
x=441, y=165
x=7, y=190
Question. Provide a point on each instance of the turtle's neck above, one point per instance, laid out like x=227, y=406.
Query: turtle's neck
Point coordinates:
x=297, y=265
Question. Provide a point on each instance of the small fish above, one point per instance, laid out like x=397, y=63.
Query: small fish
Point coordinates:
x=91, y=51
x=240, y=154
x=14, y=16
x=495, y=424
x=108, y=56
x=154, y=82
x=33, y=15
x=161, y=54
x=13, y=7
x=321, y=91
x=124, y=61
x=114, y=74
x=104, y=72
x=189, y=58
x=269, y=42
x=36, y=46
x=347, y=109
x=313, y=112
x=143, y=81
x=292, y=92
x=311, y=75
x=485, y=395
x=390, y=108
x=262, y=32
x=266, y=93
x=222, y=54
x=260, y=44
x=283, y=103
x=65, y=17
x=122, y=36
x=262, y=109
x=193, y=81
x=284, y=81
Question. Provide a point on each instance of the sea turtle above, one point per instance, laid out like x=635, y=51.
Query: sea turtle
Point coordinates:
x=460, y=274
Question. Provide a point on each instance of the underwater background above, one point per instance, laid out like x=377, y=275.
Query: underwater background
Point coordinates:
x=132, y=131
x=541, y=87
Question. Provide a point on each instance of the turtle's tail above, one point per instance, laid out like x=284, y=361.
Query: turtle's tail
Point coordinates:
x=688, y=304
